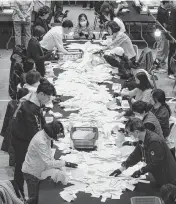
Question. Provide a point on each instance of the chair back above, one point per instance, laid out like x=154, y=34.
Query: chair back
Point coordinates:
x=136, y=50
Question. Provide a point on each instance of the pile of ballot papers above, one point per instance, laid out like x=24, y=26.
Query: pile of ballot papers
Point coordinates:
x=80, y=80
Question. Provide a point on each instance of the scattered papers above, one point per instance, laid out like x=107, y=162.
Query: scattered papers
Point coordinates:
x=81, y=80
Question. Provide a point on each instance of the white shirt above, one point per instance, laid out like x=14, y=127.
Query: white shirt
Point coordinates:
x=53, y=38
x=120, y=24
x=39, y=156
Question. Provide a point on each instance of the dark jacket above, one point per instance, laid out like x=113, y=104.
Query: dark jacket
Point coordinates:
x=35, y=52
x=29, y=120
x=172, y=22
x=158, y=157
x=43, y=23
x=162, y=114
x=151, y=123
x=163, y=16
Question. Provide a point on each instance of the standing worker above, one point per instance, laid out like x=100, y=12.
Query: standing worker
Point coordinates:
x=152, y=149
x=162, y=41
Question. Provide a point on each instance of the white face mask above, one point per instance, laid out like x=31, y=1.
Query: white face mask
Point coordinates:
x=83, y=23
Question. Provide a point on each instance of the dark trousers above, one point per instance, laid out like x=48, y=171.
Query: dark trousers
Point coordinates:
x=173, y=152
x=33, y=188
x=85, y=4
x=20, y=149
x=172, y=48
x=58, y=11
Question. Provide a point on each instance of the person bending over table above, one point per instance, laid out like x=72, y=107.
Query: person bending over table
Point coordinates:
x=120, y=39
x=35, y=51
x=151, y=149
x=83, y=30
x=39, y=158
x=29, y=120
x=54, y=37
x=41, y=20
x=117, y=58
x=141, y=93
x=141, y=111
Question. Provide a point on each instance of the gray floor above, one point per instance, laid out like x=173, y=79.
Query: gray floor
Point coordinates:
x=6, y=172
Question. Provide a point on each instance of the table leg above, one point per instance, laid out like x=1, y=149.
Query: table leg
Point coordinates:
x=142, y=35
x=12, y=36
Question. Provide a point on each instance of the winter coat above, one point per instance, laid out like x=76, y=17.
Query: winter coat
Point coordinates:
x=158, y=157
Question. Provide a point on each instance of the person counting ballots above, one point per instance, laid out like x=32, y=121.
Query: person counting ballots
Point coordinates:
x=151, y=149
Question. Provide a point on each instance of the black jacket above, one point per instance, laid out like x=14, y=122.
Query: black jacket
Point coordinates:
x=155, y=152
x=43, y=23
x=162, y=114
x=29, y=120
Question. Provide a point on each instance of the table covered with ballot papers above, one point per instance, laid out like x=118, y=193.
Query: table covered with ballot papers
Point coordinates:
x=86, y=86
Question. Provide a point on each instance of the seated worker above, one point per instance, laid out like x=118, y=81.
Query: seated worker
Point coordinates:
x=143, y=90
x=120, y=39
x=140, y=110
x=168, y=193
x=83, y=30
x=117, y=58
x=54, y=37
x=158, y=158
x=161, y=110
x=41, y=20
x=39, y=158
x=35, y=51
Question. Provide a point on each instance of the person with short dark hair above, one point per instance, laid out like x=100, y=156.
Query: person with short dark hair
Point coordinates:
x=39, y=158
x=29, y=120
x=168, y=193
x=32, y=80
x=54, y=37
x=120, y=39
x=41, y=20
x=140, y=110
x=35, y=51
x=83, y=30
x=151, y=149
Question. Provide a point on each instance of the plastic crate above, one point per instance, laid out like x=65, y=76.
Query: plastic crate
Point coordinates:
x=84, y=143
x=74, y=54
x=145, y=200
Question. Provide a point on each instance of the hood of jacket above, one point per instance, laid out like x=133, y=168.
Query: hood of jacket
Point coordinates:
x=31, y=97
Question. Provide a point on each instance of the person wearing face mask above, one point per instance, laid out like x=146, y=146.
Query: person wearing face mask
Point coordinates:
x=83, y=30
x=54, y=37
x=151, y=149
x=28, y=120
x=120, y=39
x=35, y=51
x=39, y=158
x=41, y=20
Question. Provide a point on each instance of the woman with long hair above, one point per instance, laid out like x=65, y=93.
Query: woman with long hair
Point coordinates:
x=120, y=39
x=143, y=90
x=83, y=30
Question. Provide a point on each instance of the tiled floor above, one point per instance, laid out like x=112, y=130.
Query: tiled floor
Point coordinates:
x=6, y=172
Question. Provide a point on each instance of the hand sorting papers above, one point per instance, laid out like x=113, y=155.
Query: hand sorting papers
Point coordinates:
x=81, y=80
